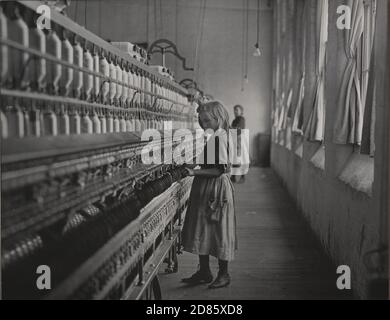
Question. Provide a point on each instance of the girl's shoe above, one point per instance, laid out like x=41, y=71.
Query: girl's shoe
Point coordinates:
x=199, y=277
x=222, y=280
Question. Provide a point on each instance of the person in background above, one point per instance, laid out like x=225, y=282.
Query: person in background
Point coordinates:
x=210, y=222
x=239, y=124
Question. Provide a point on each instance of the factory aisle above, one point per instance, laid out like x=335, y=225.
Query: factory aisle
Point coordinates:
x=278, y=258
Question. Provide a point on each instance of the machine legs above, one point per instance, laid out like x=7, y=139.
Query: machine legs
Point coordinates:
x=153, y=291
x=171, y=260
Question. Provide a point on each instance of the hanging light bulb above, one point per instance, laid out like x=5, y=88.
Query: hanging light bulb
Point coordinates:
x=257, y=52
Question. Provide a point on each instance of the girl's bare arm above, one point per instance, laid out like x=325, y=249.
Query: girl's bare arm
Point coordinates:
x=191, y=166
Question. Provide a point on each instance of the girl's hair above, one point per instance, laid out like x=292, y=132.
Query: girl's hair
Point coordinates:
x=218, y=112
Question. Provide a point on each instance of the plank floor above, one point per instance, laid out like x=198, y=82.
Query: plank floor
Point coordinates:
x=278, y=258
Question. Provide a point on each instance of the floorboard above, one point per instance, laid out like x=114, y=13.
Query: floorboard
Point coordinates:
x=278, y=257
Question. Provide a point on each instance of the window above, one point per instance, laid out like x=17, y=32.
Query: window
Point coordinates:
x=368, y=78
x=301, y=31
x=315, y=128
x=355, y=110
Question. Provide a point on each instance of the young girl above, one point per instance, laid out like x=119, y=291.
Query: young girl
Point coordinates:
x=210, y=223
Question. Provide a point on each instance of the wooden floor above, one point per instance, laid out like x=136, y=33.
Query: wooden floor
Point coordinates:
x=277, y=256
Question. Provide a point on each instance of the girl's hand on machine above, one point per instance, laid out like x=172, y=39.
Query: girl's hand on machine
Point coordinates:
x=189, y=171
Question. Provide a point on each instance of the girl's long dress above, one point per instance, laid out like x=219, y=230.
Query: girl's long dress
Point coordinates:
x=210, y=222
